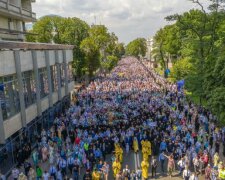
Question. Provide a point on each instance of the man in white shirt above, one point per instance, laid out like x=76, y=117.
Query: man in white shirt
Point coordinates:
x=45, y=175
x=62, y=166
x=181, y=164
x=186, y=174
x=53, y=171
x=126, y=173
x=70, y=162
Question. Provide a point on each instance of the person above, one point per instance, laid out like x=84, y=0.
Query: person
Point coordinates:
x=194, y=176
x=96, y=174
x=31, y=174
x=76, y=171
x=196, y=164
x=135, y=145
x=35, y=157
x=181, y=164
x=127, y=148
x=53, y=171
x=22, y=176
x=45, y=175
x=105, y=170
x=59, y=175
x=39, y=172
x=162, y=161
x=133, y=175
x=2, y=176
x=214, y=173
x=171, y=165
x=222, y=172
x=126, y=173
x=70, y=165
x=27, y=167
x=154, y=165
x=44, y=152
x=186, y=173
x=208, y=172
x=15, y=173
x=62, y=165
x=216, y=159
x=144, y=166
x=139, y=173
x=87, y=176
x=119, y=176
x=116, y=167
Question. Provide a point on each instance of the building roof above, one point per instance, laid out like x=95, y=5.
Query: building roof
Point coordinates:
x=13, y=45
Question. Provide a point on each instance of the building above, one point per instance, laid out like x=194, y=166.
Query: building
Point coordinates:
x=149, y=48
x=13, y=16
x=35, y=85
x=35, y=82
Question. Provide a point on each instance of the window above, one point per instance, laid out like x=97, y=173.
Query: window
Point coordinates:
x=43, y=77
x=29, y=88
x=54, y=79
x=62, y=74
x=70, y=72
x=9, y=96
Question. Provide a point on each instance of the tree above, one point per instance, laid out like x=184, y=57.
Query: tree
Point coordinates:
x=181, y=69
x=86, y=40
x=167, y=45
x=201, y=36
x=106, y=43
x=43, y=28
x=92, y=61
x=61, y=30
x=137, y=48
x=119, y=50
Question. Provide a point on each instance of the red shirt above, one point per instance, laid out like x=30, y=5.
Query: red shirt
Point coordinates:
x=77, y=140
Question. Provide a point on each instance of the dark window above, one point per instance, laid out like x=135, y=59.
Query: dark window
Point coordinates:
x=29, y=88
x=54, y=79
x=9, y=96
x=43, y=78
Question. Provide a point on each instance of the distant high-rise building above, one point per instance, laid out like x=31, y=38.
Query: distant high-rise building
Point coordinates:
x=149, y=48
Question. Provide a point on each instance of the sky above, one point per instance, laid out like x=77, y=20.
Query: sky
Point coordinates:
x=129, y=19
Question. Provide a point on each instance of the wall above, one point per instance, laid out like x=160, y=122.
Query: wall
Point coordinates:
x=7, y=67
x=7, y=63
x=12, y=125
x=4, y=22
x=31, y=113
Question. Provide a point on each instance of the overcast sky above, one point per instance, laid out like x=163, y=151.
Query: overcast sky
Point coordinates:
x=129, y=19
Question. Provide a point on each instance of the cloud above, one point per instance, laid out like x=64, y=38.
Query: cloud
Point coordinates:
x=127, y=18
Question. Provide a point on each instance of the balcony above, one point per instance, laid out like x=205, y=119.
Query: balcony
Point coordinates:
x=14, y=11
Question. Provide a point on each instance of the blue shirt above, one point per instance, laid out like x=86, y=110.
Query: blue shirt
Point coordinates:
x=163, y=146
x=161, y=157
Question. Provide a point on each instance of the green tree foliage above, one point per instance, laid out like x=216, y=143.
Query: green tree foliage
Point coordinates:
x=181, y=69
x=92, y=54
x=137, y=48
x=43, y=28
x=201, y=50
x=108, y=48
x=62, y=31
x=166, y=45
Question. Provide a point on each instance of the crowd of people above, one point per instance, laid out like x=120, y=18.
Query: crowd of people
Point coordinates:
x=128, y=110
